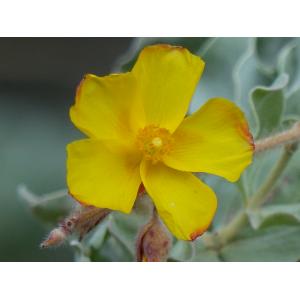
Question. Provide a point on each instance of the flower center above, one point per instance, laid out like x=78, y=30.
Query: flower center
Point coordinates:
x=154, y=142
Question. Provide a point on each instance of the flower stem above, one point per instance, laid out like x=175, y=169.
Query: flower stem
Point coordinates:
x=228, y=232
x=259, y=198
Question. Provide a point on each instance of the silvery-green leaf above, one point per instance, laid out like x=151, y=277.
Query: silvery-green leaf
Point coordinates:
x=268, y=104
x=82, y=253
x=287, y=190
x=268, y=51
x=111, y=250
x=271, y=215
x=289, y=63
x=51, y=207
x=258, y=171
x=182, y=251
x=192, y=251
x=97, y=236
x=247, y=75
x=125, y=227
x=292, y=106
x=204, y=254
x=276, y=243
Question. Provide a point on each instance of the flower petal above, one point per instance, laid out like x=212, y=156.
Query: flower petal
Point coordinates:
x=215, y=139
x=100, y=177
x=185, y=204
x=167, y=78
x=104, y=106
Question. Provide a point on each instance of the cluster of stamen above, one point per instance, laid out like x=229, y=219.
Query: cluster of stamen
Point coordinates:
x=154, y=142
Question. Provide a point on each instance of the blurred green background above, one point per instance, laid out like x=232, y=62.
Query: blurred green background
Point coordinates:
x=38, y=78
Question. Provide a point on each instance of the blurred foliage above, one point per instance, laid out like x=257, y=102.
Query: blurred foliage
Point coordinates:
x=262, y=76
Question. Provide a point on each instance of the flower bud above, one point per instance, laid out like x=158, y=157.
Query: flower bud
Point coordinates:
x=56, y=237
x=153, y=242
x=82, y=221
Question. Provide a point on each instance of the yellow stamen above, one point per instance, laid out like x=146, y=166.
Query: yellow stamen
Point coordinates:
x=154, y=142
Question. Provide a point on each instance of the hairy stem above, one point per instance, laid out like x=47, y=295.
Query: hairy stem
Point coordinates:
x=285, y=137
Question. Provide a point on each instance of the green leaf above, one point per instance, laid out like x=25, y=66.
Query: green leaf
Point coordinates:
x=287, y=191
x=125, y=227
x=97, y=237
x=256, y=173
x=82, y=253
x=271, y=215
x=268, y=103
x=268, y=51
x=182, y=251
x=292, y=109
x=192, y=251
x=49, y=208
x=247, y=75
x=276, y=243
x=289, y=63
x=111, y=250
x=203, y=254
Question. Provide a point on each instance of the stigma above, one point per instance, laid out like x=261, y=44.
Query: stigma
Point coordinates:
x=154, y=142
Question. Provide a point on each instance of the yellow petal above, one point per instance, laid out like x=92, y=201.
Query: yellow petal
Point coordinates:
x=215, y=139
x=167, y=78
x=186, y=205
x=104, y=106
x=100, y=177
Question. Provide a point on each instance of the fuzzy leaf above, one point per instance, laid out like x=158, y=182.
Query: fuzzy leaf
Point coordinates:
x=289, y=63
x=268, y=51
x=276, y=243
x=292, y=109
x=204, y=254
x=271, y=215
x=97, y=236
x=247, y=76
x=182, y=251
x=125, y=227
x=192, y=251
x=268, y=103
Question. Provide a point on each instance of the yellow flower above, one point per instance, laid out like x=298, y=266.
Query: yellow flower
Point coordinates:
x=138, y=134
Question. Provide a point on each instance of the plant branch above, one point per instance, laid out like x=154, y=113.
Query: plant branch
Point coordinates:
x=259, y=198
x=286, y=137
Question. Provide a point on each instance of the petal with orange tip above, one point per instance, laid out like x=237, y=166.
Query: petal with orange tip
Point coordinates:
x=215, y=139
x=185, y=204
x=105, y=107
